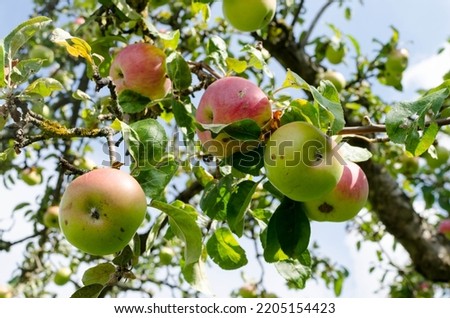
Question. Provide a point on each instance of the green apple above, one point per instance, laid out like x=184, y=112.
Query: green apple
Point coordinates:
x=44, y=53
x=334, y=77
x=51, y=217
x=228, y=100
x=442, y=157
x=249, y=15
x=397, y=60
x=5, y=292
x=302, y=162
x=345, y=200
x=166, y=255
x=141, y=68
x=409, y=165
x=62, y=276
x=335, y=51
x=31, y=176
x=101, y=210
x=444, y=228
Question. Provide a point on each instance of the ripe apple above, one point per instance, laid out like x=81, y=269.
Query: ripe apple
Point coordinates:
x=444, y=228
x=228, y=100
x=302, y=162
x=334, y=77
x=51, y=217
x=442, y=157
x=5, y=292
x=249, y=15
x=335, y=52
x=31, y=176
x=44, y=53
x=62, y=276
x=101, y=210
x=345, y=200
x=166, y=255
x=141, y=68
x=397, y=60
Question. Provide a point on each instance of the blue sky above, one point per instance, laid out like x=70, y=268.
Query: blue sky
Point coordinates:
x=424, y=28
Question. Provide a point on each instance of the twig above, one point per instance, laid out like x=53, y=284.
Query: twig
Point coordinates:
x=316, y=19
x=297, y=13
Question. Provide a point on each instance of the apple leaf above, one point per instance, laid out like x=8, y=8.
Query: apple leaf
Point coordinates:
x=154, y=180
x=22, y=33
x=154, y=231
x=89, y=291
x=301, y=110
x=271, y=244
x=215, y=197
x=249, y=162
x=185, y=227
x=99, y=274
x=127, y=12
x=195, y=275
x=406, y=119
x=24, y=69
x=203, y=8
x=124, y=257
x=225, y=251
x=236, y=65
x=238, y=205
x=296, y=272
x=293, y=80
x=353, y=153
x=178, y=71
x=170, y=39
x=288, y=231
x=132, y=102
x=2, y=64
x=245, y=129
x=183, y=117
x=76, y=47
x=43, y=87
x=330, y=108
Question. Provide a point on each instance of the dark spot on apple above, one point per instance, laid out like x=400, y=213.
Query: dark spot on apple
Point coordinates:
x=122, y=230
x=273, y=157
x=66, y=222
x=226, y=139
x=120, y=73
x=281, y=157
x=325, y=208
x=94, y=213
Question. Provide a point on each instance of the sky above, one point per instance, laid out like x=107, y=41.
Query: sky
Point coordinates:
x=424, y=28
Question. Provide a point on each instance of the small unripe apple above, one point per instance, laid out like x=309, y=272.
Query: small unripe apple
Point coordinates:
x=141, y=68
x=302, y=162
x=166, y=255
x=62, y=276
x=397, y=60
x=228, y=100
x=101, y=210
x=31, y=176
x=442, y=157
x=444, y=228
x=51, y=217
x=248, y=291
x=249, y=15
x=335, y=52
x=5, y=292
x=409, y=165
x=345, y=200
x=44, y=53
x=336, y=78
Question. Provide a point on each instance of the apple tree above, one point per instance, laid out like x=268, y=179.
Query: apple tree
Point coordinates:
x=157, y=89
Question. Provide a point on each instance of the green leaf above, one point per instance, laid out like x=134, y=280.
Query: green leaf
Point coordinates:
x=125, y=256
x=126, y=10
x=132, y=102
x=89, y=291
x=25, y=69
x=178, y=71
x=185, y=227
x=328, y=100
x=215, y=198
x=244, y=129
x=154, y=180
x=43, y=87
x=289, y=226
x=201, y=175
x=353, y=153
x=170, y=39
x=203, y=8
x=238, y=204
x=183, y=117
x=156, y=227
x=293, y=80
x=406, y=119
x=294, y=272
x=99, y=274
x=249, y=162
x=225, y=251
x=236, y=65
x=195, y=275
x=301, y=110
x=2, y=64
x=22, y=33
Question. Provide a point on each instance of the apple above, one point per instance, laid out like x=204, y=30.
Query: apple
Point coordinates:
x=409, y=165
x=397, y=60
x=166, y=255
x=249, y=15
x=345, y=200
x=442, y=157
x=51, y=217
x=141, y=68
x=335, y=52
x=5, y=292
x=62, y=276
x=444, y=228
x=302, y=162
x=44, y=53
x=101, y=210
x=228, y=100
x=31, y=176
x=334, y=77
x=248, y=291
